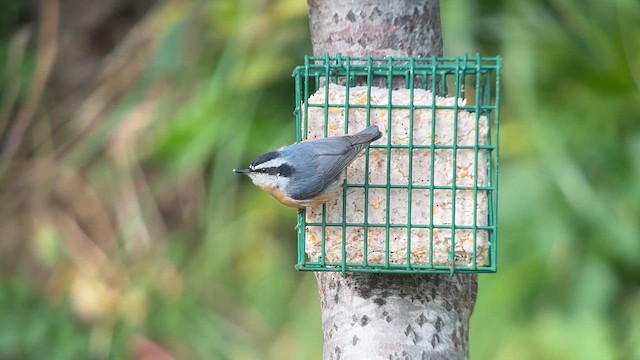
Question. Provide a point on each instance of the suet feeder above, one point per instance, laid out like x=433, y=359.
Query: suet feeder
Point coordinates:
x=424, y=197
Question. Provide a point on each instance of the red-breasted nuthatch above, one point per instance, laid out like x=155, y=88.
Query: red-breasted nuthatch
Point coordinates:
x=309, y=173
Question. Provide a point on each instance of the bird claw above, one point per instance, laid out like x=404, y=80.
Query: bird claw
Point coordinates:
x=300, y=211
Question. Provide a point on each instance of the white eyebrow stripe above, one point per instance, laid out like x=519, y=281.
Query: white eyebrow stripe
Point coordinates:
x=273, y=163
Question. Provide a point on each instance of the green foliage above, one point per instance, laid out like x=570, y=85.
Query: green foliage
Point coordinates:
x=35, y=329
x=201, y=262
x=568, y=254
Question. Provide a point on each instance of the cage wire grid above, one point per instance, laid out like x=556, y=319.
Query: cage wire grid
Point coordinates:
x=436, y=74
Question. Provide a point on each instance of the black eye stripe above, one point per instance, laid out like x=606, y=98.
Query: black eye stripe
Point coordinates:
x=282, y=170
x=285, y=170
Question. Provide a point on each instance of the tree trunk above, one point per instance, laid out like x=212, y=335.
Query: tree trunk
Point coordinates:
x=375, y=316
x=377, y=28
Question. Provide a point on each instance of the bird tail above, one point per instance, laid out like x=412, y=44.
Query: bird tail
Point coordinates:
x=366, y=136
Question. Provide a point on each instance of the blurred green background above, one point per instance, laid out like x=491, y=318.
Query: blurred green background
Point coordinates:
x=126, y=235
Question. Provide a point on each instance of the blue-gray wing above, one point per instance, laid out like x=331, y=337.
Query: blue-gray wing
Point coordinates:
x=341, y=151
x=330, y=156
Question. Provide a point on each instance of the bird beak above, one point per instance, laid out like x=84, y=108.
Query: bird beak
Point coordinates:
x=242, y=171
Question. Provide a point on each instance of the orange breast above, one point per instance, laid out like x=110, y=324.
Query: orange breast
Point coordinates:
x=301, y=204
x=283, y=199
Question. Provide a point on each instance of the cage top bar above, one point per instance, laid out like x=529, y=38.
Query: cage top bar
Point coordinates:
x=366, y=64
x=416, y=59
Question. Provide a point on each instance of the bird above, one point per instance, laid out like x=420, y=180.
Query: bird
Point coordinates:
x=309, y=173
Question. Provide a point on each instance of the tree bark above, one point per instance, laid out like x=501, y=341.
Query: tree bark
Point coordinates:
x=375, y=316
x=381, y=316
x=376, y=28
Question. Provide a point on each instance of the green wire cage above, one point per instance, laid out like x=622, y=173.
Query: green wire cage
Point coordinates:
x=423, y=198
